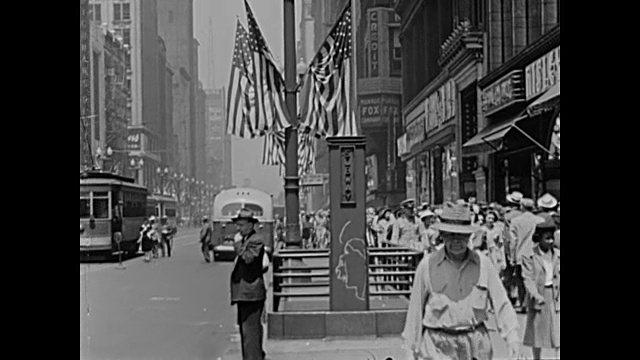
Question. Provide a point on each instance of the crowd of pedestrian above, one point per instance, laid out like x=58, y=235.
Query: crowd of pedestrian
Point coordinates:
x=521, y=241
x=156, y=238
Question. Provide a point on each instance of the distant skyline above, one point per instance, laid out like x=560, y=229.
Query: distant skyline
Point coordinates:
x=219, y=17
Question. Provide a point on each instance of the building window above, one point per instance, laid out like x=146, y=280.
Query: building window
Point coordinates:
x=478, y=14
x=117, y=11
x=125, y=12
x=126, y=36
x=96, y=12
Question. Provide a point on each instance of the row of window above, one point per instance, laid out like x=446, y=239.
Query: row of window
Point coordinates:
x=121, y=11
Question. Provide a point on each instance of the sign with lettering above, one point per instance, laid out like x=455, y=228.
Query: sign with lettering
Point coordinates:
x=374, y=70
x=415, y=133
x=543, y=73
x=348, y=180
x=134, y=140
x=440, y=106
x=377, y=108
x=402, y=144
x=504, y=92
x=313, y=179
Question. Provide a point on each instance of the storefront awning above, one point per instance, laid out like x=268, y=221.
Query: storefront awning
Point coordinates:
x=549, y=99
x=495, y=132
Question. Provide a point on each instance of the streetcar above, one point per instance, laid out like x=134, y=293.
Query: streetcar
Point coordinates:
x=112, y=211
x=226, y=206
x=163, y=206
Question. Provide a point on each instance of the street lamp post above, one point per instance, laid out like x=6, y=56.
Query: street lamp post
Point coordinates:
x=136, y=166
x=291, y=180
x=162, y=174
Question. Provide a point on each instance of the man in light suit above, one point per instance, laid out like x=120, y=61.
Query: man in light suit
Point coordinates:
x=521, y=229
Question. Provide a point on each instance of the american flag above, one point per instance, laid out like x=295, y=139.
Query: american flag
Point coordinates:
x=267, y=111
x=326, y=96
x=273, y=152
x=238, y=99
x=274, y=147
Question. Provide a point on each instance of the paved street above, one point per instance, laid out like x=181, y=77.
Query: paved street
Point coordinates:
x=178, y=308
x=172, y=308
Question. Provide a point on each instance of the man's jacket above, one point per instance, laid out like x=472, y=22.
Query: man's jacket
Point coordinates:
x=247, y=283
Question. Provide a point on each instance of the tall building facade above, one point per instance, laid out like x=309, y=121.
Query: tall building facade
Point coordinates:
x=518, y=146
x=218, y=145
x=117, y=99
x=480, y=98
x=85, y=85
x=201, y=136
x=175, y=24
x=136, y=23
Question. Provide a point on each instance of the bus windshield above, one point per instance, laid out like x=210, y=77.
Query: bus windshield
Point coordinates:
x=233, y=208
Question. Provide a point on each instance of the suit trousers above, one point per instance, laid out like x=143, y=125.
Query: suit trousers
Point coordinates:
x=251, y=331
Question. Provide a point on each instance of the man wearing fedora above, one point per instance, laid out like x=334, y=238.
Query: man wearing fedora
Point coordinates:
x=521, y=229
x=548, y=206
x=512, y=210
x=248, y=289
x=453, y=290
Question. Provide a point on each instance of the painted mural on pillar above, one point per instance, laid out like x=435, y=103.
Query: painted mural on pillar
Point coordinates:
x=352, y=261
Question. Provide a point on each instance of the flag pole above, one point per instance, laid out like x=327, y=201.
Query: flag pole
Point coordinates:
x=291, y=179
x=355, y=13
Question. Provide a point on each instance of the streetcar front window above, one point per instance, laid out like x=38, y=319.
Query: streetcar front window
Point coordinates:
x=85, y=208
x=94, y=203
x=101, y=208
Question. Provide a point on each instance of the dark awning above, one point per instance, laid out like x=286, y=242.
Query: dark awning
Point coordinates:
x=549, y=99
x=495, y=132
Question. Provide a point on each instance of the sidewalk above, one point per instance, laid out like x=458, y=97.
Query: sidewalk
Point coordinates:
x=369, y=348
x=329, y=349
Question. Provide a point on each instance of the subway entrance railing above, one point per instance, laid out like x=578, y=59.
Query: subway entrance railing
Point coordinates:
x=301, y=278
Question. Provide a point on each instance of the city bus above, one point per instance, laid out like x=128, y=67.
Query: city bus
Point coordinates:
x=112, y=210
x=226, y=206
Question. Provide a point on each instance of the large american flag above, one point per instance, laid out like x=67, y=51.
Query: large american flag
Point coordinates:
x=268, y=108
x=238, y=98
x=255, y=103
x=326, y=95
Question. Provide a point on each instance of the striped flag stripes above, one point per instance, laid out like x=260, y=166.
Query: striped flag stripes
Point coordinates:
x=326, y=95
x=273, y=152
x=238, y=97
x=268, y=110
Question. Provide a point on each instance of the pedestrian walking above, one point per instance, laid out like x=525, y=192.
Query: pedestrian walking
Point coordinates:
x=146, y=243
x=493, y=234
x=168, y=232
x=521, y=231
x=547, y=205
x=510, y=211
x=541, y=272
x=322, y=229
x=453, y=290
x=429, y=218
x=206, y=238
x=371, y=233
x=154, y=234
x=407, y=230
x=248, y=290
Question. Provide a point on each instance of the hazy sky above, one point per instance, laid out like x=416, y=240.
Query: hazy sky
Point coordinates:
x=215, y=24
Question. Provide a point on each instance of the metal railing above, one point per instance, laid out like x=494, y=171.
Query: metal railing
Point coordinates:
x=391, y=272
x=290, y=279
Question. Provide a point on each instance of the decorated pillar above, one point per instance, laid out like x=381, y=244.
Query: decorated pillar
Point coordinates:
x=348, y=264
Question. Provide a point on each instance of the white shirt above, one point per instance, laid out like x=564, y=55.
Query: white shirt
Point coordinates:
x=548, y=271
